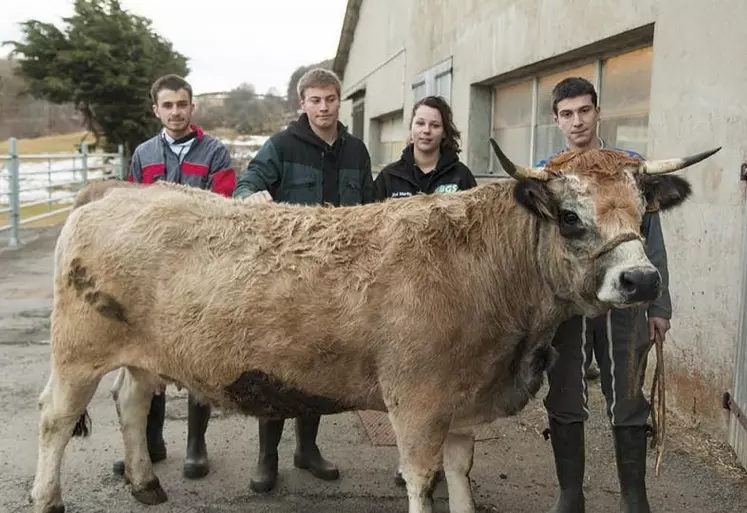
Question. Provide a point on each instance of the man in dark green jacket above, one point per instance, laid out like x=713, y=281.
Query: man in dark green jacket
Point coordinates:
x=314, y=161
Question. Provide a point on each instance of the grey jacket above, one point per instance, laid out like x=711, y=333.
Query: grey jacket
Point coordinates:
x=657, y=253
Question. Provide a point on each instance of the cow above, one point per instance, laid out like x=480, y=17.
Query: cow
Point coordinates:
x=97, y=190
x=438, y=309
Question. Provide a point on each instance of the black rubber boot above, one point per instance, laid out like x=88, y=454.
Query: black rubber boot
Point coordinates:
x=630, y=450
x=153, y=433
x=570, y=463
x=307, y=455
x=265, y=474
x=196, y=462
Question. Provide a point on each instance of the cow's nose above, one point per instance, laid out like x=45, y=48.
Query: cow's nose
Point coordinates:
x=640, y=284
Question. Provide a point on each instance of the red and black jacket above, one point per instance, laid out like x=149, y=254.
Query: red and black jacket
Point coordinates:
x=206, y=165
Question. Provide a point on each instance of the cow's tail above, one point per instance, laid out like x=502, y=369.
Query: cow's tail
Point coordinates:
x=83, y=426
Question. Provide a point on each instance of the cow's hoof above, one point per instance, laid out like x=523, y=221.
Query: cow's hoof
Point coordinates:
x=55, y=509
x=151, y=494
x=195, y=469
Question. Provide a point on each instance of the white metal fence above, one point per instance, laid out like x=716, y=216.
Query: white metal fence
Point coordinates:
x=30, y=181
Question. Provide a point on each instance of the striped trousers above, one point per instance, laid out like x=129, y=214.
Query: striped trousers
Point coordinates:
x=619, y=341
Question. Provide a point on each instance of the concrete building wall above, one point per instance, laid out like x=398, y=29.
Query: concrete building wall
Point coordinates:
x=696, y=100
x=377, y=63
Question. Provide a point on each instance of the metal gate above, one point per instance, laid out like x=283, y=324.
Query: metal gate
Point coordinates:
x=736, y=401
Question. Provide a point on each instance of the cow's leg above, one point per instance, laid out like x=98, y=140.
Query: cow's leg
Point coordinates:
x=132, y=398
x=63, y=415
x=420, y=440
x=458, y=458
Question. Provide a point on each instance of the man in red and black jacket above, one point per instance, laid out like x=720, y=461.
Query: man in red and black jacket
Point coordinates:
x=180, y=153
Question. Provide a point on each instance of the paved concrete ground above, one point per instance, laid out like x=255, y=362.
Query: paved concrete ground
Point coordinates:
x=513, y=473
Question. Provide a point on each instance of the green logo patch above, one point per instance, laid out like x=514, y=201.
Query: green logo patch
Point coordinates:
x=446, y=188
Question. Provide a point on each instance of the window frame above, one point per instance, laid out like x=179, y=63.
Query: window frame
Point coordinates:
x=358, y=117
x=397, y=120
x=429, y=78
x=597, y=61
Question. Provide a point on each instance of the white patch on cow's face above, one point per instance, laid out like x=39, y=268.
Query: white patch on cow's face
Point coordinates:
x=631, y=278
x=620, y=277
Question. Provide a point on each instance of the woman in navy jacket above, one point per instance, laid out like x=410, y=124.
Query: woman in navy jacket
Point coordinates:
x=430, y=162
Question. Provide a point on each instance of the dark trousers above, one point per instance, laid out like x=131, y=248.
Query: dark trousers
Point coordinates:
x=619, y=341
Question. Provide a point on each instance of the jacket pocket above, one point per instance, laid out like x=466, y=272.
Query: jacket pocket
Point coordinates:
x=350, y=188
x=351, y=192
x=300, y=188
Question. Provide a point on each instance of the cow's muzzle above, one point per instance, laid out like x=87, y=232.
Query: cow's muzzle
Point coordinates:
x=640, y=284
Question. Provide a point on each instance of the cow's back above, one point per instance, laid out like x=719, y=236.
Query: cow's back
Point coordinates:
x=200, y=274
x=223, y=292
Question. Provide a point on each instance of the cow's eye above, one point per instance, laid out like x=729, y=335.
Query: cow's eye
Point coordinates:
x=569, y=218
x=570, y=225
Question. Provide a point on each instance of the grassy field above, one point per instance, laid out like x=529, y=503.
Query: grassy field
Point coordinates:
x=36, y=210
x=65, y=143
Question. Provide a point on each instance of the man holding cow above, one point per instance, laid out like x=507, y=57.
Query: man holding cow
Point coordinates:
x=314, y=161
x=181, y=153
x=620, y=340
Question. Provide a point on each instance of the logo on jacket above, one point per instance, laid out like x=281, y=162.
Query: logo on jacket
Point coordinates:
x=446, y=188
x=401, y=194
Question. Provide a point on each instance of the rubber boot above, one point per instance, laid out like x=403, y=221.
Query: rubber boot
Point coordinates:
x=307, y=455
x=153, y=433
x=570, y=461
x=196, y=462
x=630, y=450
x=265, y=474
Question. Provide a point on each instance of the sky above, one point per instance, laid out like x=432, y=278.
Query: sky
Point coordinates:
x=227, y=41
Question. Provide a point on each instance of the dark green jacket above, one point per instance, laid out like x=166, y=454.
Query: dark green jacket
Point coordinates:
x=297, y=166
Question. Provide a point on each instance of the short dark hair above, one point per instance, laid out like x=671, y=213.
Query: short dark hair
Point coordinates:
x=171, y=82
x=452, y=135
x=572, y=87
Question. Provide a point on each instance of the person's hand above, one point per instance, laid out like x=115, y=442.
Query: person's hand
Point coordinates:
x=259, y=197
x=657, y=329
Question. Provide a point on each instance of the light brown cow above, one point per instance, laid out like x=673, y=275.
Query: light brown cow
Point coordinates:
x=439, y=309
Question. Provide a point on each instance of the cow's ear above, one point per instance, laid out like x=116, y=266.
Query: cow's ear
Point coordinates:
x=663, y=192
x=534, y=195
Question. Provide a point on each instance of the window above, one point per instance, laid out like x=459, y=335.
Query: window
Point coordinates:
x=512, y=121
x=392, y=138
x=435, y=81
x=523, y=121
x=626, y=86
x=548, y=137
x=358, y=115
x=418, y=91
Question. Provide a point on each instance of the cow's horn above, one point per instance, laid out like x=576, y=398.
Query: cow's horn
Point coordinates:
x=658, y=167
x=518, y=172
